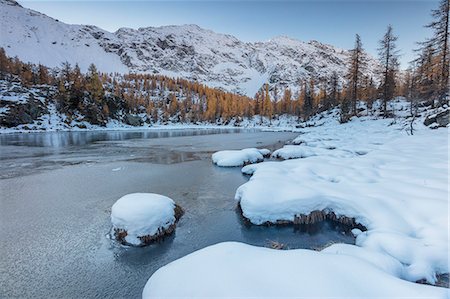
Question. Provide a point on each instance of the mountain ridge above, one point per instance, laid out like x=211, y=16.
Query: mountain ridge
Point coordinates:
x=187, y=51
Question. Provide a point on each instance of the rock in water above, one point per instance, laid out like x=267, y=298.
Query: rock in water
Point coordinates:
x=141, y=218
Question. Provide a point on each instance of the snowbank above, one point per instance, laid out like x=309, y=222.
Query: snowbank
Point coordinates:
x=236, y=270
x=293, y=152
x=231, y=158
x=141, y=218
x=394, y=184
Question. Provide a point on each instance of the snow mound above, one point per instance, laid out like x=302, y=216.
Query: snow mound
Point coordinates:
x=236, y=270
x=232, y=158
x=393, y=184
x=304, y=151
x=293, y=152
x=141, y=217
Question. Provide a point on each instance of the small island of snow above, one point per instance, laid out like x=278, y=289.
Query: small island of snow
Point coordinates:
x=233, y=158
x=142, y=218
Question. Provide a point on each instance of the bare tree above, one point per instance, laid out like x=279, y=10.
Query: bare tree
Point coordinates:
x=357, y=65
x=440, y=43
x=388, y=55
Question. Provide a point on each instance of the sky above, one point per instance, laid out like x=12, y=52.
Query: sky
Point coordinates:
x=333, y=22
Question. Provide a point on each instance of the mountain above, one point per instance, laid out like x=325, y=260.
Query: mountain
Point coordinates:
x=187, y=51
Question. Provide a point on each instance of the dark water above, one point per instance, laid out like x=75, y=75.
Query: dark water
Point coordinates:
x=57, y=190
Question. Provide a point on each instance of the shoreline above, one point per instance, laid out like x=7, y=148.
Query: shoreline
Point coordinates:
x=157, y=127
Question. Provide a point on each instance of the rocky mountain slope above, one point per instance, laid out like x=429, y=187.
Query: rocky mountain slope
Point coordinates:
x=186, y=51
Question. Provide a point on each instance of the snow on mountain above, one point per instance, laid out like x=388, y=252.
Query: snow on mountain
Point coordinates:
x=37, y=38
x=187, y=51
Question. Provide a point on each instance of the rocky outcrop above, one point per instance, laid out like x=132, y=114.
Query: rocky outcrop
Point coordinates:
x=441, y=119
x=133, y=120
x=21, y=114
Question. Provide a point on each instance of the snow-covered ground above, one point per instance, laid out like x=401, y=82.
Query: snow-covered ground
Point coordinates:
x=394, y=184
x=373, y=170
x=236, y=270
x=233, y=158
x=142, y=214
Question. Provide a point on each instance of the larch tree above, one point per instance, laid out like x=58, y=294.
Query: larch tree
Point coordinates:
x=388, y=56
x=333, y=95
x=268, y=107
x=357, y=66
x=440, y=43
x=425, y=73
x=94, y=85
x=308, y=99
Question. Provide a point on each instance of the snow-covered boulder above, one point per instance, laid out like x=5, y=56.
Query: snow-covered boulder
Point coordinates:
x=236, y=270
x=141, y=218
x=293, y=152
x=440, y=119
x=233, y=158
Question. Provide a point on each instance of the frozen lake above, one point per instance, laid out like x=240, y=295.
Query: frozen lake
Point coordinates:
x=57, y=189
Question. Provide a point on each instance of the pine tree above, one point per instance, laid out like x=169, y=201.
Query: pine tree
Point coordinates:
x=388, y=55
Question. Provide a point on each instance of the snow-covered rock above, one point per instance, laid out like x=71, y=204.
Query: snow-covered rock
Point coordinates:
x=233, y=158
x=394, y=184
x=187, y=51
x=293, y=152
x=236, y=270
x=141, y=218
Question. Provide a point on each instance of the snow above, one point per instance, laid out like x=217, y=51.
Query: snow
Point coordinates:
x=23, y=31
x=292, y=152
x=394, y=184
x=233, y=158
x=142, y=214
x=186, y=51
x=236, y=270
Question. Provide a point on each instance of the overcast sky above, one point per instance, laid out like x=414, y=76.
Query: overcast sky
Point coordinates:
x=330, y=21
